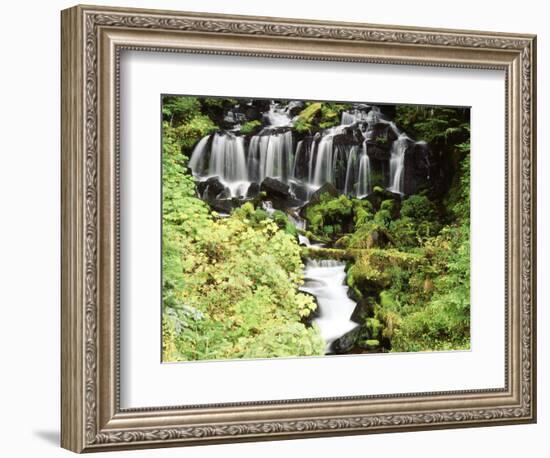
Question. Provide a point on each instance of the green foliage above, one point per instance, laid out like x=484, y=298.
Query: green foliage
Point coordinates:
x=177, y=110
x=436, y=125
x=230, y=285
x=419, y=221
x=414, y=262
x=331, y=114
x=319, y=115
x=458, y=200
x=251, y=127
x=335, y=216
x=374, y=328
x=443, y=321
x=304, y=123
x=190, y=133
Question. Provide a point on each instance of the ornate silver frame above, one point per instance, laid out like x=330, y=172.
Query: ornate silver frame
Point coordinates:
x=92, y=39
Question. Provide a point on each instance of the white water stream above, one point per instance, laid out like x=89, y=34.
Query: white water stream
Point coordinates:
x=325, y=279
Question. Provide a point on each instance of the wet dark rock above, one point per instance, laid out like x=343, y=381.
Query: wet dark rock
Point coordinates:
x=377, y=152
x=299, y=191
x=278, y=193
x=210, y=188
x=234, y=117
x=350, y=136
x=271, y=130
x=295, y=107
x=275, y=188
x=388, y=111
x=379, y=195
x=346, y=343
x=382, y=134
x=261, y=105
x=362, y=310
x=253, y=190
x=420, y=168
x=327, y=188
x=224, y=206
x=362, y=107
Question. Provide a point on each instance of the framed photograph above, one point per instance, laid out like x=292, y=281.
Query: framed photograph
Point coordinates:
x=278, y=228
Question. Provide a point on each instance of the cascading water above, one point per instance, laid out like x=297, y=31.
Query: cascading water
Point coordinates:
x=397, y=163
x=323, y=172
x=325, y=280
x=336, y=155
x=364, y=176
x=347, y=156
x=279, y=116
x=198, y=158
x=351, y=117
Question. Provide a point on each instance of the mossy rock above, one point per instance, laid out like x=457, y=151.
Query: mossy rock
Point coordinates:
x=343, y=242
x=369, y=344
x=326, y=253
x=374, y=327
x=362, y=310
x=372, y=271
x=379, y=195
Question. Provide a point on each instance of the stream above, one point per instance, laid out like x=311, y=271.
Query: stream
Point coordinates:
x=325, y=279
x=237, y=166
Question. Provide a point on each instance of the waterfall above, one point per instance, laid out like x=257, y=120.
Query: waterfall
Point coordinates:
x=323, y=163
x=312, y=155
x=351, y=117
x=397, y=163
x=325, y=279
x=278, y=116
x=271, y=155
x=300, y=151
x=198, y=157
x=364, y=175
x=351, y=171
x=227, y=158
x=374, y=116
x=336, y=155
x=253, y=159
x=268, y=207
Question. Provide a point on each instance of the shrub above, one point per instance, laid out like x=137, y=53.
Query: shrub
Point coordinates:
x=230, y=285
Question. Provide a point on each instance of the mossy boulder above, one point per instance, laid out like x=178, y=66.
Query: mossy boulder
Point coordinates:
x=363, y=309
x=328, y=189
x=374, y=269
x=379, y=195
x=346, y=343
x=369, y=344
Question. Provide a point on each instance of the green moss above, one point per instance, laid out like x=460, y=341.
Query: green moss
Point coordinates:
x=374, y=327
x=372, y=344
x=188, y=134
x=250, y=127
x=178, y=110
x=319, y=115
x=305, y=121
x=381, y=141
